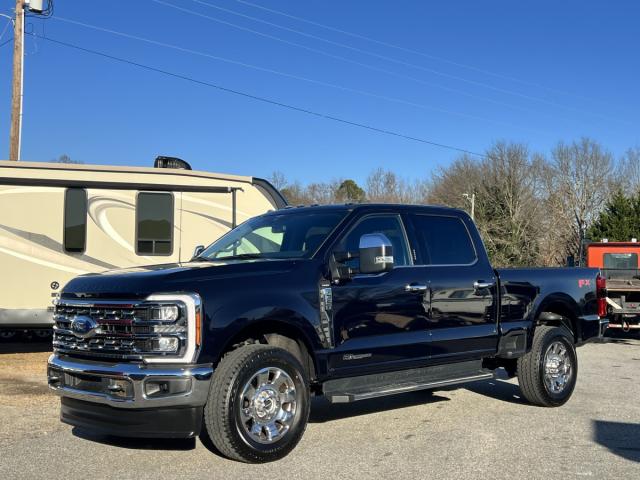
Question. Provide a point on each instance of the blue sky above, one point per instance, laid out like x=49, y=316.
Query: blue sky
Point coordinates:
x=468, y=73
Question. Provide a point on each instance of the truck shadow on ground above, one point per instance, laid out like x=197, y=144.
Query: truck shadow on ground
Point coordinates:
x=25, y=346
x=324, y=411
x=321, y=411
x=498, y=388
x=179, y=444
x=620, y=438
x=620, y=337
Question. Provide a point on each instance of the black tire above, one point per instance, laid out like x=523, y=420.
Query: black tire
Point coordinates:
x=531, y=367
x=222, y=413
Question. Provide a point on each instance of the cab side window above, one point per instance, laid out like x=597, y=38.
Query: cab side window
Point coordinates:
x=390, y=226
x=443, y=240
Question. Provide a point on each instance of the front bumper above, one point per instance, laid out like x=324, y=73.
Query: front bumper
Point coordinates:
x=130, y=399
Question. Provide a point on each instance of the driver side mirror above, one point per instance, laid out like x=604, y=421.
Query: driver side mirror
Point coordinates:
x=376, y=253
x=197, y=251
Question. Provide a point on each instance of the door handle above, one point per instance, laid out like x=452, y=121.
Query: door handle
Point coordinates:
x=415, y=288
x=480, y=285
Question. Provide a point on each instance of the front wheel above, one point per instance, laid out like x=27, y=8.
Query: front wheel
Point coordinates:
x=258, y=404
x=547, y=374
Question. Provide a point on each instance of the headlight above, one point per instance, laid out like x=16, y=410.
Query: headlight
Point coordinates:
x=178, y=339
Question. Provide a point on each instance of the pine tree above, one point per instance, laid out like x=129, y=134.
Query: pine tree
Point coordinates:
x=620, y=219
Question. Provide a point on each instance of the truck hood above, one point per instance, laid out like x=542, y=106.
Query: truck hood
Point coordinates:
x=139, y=282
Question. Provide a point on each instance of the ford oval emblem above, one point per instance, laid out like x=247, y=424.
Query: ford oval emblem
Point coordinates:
x=83, y=326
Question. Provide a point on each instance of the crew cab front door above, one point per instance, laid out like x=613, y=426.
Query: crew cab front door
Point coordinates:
x=378, y=322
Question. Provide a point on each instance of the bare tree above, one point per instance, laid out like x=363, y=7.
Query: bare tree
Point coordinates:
x=278, y=180
x=578, y=182
x=627, y=175
x=386, y=187
x=507, y=204
x=66, y=159
x=450, y=184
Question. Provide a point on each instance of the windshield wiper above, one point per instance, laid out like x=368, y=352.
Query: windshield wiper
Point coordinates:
x=240, y=256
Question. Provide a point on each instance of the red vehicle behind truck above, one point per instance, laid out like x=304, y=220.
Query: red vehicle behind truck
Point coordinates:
x=619, y=263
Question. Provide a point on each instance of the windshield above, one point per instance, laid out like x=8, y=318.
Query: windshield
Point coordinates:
x=285, y=235
x=621, y=265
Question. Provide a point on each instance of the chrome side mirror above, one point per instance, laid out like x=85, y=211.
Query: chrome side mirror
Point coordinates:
x=376, y=253
x=197, y=251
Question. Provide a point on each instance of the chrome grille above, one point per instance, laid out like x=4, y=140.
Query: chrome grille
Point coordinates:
x=124, y=331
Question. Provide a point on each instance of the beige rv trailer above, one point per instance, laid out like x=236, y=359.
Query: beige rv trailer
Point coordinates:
x=58, y=221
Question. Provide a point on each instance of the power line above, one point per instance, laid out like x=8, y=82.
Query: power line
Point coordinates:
x=4, y=30
x=289, y=75
x=389, y=72
x=260, y=99
x=430, y=70
x=416, y=52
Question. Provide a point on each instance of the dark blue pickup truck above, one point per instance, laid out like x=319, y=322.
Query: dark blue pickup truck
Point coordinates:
x=351, y=302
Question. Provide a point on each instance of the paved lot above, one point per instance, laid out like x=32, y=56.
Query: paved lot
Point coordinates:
x=483, y=430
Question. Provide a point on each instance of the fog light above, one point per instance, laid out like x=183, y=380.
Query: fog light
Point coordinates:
x=159, y=388
x=165, y=344
x=165, y=313
x=119, y=388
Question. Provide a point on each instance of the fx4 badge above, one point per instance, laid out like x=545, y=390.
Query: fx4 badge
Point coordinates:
x=584, y=282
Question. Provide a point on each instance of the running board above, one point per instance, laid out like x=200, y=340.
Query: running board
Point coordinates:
x=346, y=390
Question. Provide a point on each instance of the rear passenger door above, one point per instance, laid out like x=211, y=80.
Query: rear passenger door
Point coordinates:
x=462, y=320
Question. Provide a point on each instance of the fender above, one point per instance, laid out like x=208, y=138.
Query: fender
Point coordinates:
x=228, y=324
x=559, y=303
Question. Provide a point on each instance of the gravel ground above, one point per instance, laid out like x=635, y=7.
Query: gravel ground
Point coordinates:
x=482, y=430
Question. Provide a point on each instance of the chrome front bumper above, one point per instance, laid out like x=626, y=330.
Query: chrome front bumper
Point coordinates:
x=129, y=385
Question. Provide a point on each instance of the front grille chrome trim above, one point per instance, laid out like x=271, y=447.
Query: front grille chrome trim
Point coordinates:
x=124, y=328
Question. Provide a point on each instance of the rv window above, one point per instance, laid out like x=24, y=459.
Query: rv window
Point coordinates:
x=154, y=222
x=75, y=220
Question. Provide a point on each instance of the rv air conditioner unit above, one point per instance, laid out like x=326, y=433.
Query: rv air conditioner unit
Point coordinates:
x=36, y=6
x=171, y=162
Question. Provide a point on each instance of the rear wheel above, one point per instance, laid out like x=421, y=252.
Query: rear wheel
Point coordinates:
x=547, y=374
x=258, y=404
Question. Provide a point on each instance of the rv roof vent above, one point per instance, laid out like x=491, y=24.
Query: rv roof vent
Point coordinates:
x=634, y=240
x=605, y=240
x=171, y=162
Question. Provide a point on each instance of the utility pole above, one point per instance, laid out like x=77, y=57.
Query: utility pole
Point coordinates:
x=472, y=200
x=17, y=88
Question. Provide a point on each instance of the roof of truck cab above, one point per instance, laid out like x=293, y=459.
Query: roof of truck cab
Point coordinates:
x=373, y=207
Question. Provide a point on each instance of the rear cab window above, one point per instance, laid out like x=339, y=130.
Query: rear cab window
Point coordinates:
x=621, y=261
x=442, y=240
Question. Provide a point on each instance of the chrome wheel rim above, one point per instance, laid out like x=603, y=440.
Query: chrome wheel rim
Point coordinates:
x=268, y=405
x=557, y=367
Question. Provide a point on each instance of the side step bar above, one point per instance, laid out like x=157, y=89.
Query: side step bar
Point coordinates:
x=346, y=390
